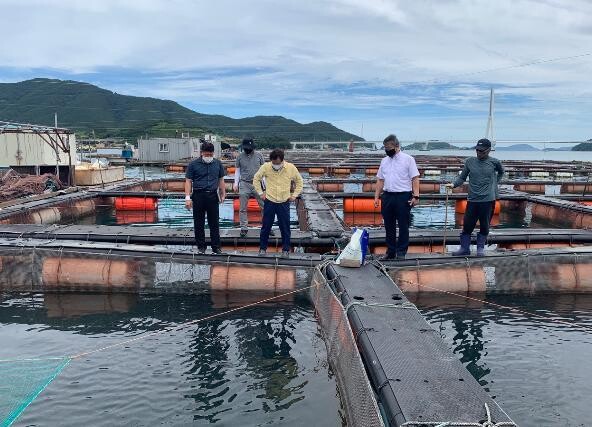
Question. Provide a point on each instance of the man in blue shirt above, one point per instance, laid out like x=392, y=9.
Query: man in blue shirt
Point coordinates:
x=204, y=191
x=484, y=175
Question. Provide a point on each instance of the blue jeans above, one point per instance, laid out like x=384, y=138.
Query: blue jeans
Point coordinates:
x=270, y=210
x=396, y=210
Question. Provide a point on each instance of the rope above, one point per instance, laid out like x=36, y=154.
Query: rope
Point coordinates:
x=192, y=322
x=507, y=307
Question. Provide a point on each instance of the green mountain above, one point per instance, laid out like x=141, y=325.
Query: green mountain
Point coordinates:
x=86, y=108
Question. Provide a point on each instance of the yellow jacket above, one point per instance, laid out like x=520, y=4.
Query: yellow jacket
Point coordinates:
x=278, y=184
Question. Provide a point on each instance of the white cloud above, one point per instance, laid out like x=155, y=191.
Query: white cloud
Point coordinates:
x=307, y=51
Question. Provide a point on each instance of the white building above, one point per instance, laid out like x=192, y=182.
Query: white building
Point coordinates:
x=171, y=149
x=36, y=149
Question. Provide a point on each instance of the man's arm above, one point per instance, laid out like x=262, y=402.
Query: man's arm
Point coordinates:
x=188, y=203
x=500, y=171
x=378, y=191
x=462, y=177
x=299, y=185
x=257, y=181
x=222, y=189
x=236, y=179
x=415, y=187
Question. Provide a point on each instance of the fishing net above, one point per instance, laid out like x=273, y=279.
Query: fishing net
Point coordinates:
x=357, y=396
x=21, y=381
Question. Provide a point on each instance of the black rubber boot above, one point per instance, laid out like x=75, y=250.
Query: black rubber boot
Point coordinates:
x=481, y=239
x=465, y=246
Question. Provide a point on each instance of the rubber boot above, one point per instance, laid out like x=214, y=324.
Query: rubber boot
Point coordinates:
x=465, y=246
x=481, y=239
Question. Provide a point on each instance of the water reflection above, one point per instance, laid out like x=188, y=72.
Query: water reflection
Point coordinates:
x=264, y=363
x=538, y=369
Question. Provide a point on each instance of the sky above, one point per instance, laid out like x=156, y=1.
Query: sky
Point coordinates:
x=420, y=69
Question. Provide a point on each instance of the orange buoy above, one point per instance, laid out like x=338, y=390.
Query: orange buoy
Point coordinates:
x=230, y=170
x=368, y=187
x=174, y=168
x=360, y=205
x=329, y=187
x=461, y=207
x=362, y=219
x=465, y=279
x=587, y=202
x=341, y=171
x=371, y=171
x=136, y=217
x=252, y=205
x=89, y=272
x=174, y=185
x=317, y=171
x=429, y=187
x=136, y=203
x=225, y=276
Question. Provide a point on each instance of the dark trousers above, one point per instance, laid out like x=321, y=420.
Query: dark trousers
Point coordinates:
x=270, y=210
x=206, y=203
x=478, y=211
x=396, y=210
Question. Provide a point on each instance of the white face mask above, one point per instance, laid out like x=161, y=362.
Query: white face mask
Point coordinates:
x=207, y=159
x=277, y=167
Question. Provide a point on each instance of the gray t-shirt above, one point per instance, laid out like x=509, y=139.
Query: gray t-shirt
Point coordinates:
x=249, y=164
x=484, y=177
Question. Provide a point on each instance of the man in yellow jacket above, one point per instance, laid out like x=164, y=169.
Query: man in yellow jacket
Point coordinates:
x=283, y=184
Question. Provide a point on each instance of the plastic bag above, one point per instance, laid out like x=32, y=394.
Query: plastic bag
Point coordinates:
x=354, y=253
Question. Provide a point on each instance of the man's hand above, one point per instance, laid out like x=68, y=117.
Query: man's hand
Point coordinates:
x=222, y=197
x=188, y=204
x=292, y=198
x=263, y=196
x=413, y=202
x=235, y=188
x=449, y=185
x=376, y=202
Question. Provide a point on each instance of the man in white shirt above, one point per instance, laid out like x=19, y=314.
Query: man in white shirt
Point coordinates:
x=398, y=181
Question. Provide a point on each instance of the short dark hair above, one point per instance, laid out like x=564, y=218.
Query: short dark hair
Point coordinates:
x=276, y=153
x=208, y=147
x=391, y=138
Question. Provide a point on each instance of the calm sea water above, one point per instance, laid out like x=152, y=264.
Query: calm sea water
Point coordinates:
x=564, y=156
x=263, y=366
x=172, y=213
x=539, y=371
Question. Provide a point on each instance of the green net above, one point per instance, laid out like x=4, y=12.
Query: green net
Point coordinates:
x=21, y=381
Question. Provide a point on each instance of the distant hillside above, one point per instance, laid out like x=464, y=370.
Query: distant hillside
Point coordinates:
x=517, y=147
x=430, y=145
x=87, y=108
x=583, y=146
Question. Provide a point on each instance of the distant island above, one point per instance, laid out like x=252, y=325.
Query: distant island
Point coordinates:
x=583, y=146
x=431, y=145
x=517, y=147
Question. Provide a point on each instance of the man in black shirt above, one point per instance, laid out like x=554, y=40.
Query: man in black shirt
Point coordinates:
x=205, y=175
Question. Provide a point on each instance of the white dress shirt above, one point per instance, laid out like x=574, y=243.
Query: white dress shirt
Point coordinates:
x=397, y=172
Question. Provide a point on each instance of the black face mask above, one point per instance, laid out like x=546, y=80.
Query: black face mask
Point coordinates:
x=248, y=150
x=391, y=152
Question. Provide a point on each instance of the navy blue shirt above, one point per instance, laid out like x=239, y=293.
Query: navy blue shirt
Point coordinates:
x=205, y=176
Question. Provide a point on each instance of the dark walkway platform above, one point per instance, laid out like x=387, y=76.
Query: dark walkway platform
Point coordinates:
x=419, y=381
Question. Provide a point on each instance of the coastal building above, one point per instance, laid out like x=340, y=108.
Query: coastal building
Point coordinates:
x=171, y=149
x=36, y=149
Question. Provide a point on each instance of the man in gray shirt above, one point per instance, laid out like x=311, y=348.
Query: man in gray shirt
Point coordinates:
x=247, y=164
x=484, y=175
